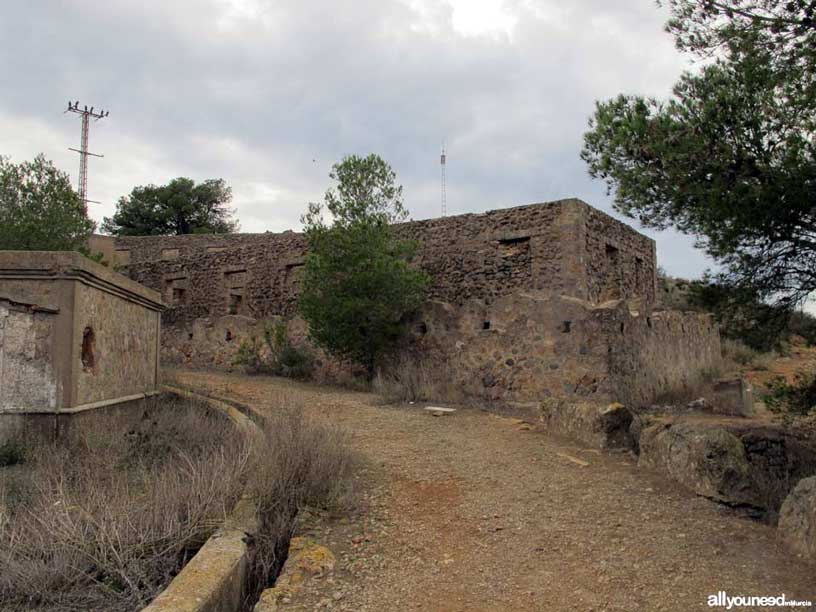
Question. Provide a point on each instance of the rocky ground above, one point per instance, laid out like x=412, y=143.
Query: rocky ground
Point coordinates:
x=473, y=511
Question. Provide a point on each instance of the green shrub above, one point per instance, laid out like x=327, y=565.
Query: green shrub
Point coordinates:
x=12, y=452
x=249, y=355
x=797, y=398
x=275, y=354
x=803, y=324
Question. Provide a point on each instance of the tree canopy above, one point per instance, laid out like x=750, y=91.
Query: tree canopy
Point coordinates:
x=179, y=207
x=39, y=210
x=357, y=284
x=729, y=157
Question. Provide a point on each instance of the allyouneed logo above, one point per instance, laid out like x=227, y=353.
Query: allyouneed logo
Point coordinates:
x=723, y=600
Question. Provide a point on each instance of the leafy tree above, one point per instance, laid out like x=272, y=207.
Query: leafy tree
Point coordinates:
x=39, y=210
x=180, y=207
x=730, y=156
x=357, y=283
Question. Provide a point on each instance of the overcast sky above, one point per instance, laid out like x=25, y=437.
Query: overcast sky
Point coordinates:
x=267, y=94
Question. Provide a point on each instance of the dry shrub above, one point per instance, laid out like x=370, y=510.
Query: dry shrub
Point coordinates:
x=409, y=379
x=106, y=519
x=111, y=514
x=297, y=462
x=736, y=352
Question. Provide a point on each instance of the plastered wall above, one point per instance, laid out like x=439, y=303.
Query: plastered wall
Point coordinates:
x=73, y=333
x=28, y=379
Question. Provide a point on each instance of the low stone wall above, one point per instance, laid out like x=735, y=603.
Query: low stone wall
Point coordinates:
x=659, y=352
x=217, y=577
x=519, y=349
x=50, y=426
x=531, y=346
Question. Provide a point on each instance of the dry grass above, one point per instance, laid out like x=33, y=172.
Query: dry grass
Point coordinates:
x=737, y=355
x=106, y=518
x=409, y=379
x=298, y=462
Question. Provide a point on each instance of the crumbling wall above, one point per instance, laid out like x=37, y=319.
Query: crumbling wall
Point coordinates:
x=659, y=352
x=620, y=262
x=531, y=346
x=27, y=378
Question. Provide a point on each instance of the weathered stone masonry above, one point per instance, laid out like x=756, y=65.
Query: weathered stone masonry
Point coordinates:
x=565, y=247
x=73, y=336
x=543, y=300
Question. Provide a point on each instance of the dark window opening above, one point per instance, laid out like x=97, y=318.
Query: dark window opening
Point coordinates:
x=566, y=327
x=235, y=300
x=649, y=321
x=622, y=327
x=518, y=240
x=422, y=328
x=486, y=325
x=228, y=336
x=178, y=295
x=189, y=335
x=88, y=354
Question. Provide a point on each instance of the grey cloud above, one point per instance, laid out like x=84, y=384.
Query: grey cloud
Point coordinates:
x=253, y=96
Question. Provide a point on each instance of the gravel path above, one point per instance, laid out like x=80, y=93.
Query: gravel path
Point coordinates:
x=473, y=511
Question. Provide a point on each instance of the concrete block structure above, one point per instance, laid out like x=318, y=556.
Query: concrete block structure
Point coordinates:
x=74, y=335
x=555, y=298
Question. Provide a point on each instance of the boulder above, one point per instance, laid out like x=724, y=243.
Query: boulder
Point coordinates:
x=797, y=519
x=597, y=425
x=708, y=460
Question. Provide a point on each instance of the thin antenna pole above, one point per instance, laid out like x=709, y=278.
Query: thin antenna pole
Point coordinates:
x=82, y=183
x=442, y=160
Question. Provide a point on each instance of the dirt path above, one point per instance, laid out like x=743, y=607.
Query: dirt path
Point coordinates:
x=474, y=512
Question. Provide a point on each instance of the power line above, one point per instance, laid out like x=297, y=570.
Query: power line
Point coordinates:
x=86, y=114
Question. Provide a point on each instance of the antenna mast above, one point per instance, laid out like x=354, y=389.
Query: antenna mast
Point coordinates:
x=82, y=183
x=442, y=160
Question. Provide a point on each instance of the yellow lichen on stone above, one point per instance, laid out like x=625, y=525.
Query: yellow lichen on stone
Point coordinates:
x=316, y=559
x=306, y=559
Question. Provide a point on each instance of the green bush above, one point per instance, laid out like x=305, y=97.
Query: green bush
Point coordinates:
x=797, y=398
x=12, y=452
x=280, y=357
x=249, y=355
x=803, y=324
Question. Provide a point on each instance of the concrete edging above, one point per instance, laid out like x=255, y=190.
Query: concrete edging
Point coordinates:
x=216, y=578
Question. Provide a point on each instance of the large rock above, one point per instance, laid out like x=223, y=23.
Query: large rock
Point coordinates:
x=708, y=460
x=600, y=426
x=797, y=519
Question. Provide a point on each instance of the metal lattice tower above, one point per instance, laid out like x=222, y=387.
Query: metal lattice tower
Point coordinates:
x=86, y=114
x=442, y=160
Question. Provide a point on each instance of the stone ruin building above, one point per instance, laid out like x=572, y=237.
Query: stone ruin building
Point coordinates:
x=551, y=299
x=74, y=336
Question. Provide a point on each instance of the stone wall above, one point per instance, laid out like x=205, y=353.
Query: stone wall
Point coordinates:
x=126, y=337
x=552, y=246
x=530, y=346
x=659, y=353
x=620, y=262
x=73, y=333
